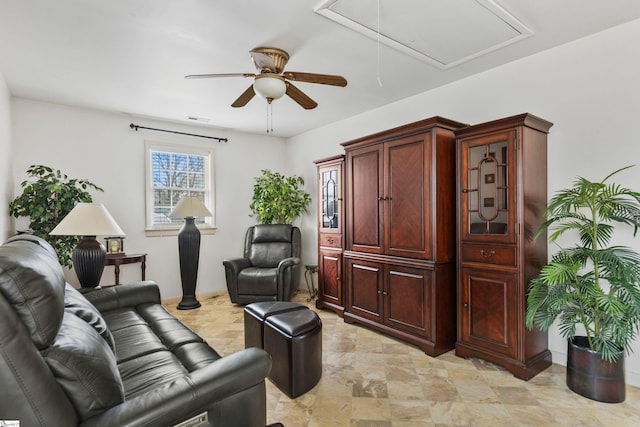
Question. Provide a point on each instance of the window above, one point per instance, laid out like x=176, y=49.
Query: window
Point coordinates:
x=172, y=172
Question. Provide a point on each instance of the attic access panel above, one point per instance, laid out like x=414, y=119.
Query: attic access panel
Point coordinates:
x=443, y=33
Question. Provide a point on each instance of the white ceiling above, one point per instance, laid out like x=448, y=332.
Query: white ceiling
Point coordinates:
x=131, y=56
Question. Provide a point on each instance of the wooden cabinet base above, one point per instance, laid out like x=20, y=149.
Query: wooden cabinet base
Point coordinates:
x=429, y=347
x=338, y=309
x=523, y=370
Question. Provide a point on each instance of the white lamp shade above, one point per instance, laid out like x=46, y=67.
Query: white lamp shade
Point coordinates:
x=88, y=219
x=190, y=206
x=269, y=86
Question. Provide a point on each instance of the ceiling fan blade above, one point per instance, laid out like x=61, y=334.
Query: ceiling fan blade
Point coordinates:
x=324, y=79
x=246, y=96
x=207, y=76
x=299, y=96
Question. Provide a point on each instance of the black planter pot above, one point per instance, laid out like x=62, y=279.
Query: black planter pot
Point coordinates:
x=591, y=377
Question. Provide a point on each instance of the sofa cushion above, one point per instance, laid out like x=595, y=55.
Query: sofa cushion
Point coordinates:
x=85, y=367
x=32, y=280
x=150, y=371
x=122, y=318
x=136, y=341
x=75, y=303
x=195, y=355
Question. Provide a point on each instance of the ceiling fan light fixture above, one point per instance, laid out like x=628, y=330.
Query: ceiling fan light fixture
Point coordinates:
x=270, y=86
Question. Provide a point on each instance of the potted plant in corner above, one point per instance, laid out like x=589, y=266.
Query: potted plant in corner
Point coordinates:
x=48, y=199
x=278, y=199
x=591, y=288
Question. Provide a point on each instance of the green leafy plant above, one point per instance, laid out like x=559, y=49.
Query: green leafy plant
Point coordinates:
x=48, y=199
x=590, y=283
x=278, y=199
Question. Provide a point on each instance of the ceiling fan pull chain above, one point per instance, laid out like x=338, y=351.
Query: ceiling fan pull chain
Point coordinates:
x=378, y=58
x=269, y=116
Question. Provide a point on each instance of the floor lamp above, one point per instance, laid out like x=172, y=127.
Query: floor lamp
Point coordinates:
x=88, y=220
x=189, y=207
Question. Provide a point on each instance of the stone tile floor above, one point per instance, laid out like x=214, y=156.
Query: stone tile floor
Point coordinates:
x=370, y=380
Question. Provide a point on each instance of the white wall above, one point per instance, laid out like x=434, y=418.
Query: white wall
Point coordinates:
x=6, y=172
x=101, y=147
x=589, y=88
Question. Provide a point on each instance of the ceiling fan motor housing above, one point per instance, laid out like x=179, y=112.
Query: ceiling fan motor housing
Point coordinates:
x=278, y=56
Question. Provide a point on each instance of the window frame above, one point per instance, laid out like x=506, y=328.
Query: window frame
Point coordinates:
x=171, y=229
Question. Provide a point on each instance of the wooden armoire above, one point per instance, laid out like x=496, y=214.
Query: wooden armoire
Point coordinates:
x=502, y=195
x=399, y=262
x=330, y=233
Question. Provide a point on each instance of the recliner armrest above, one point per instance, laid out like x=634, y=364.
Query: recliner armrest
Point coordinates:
x=237, y=264
x=202, y=390
x=232, y=268
x=127, y=295
x=288, y=262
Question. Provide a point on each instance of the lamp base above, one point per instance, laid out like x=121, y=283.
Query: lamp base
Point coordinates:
x=189, y=253
x=189, y=302
x=88, y=261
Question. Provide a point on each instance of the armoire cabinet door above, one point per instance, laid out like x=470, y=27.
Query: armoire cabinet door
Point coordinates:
x=487, y=310
x=406, y=197
x=330, y=204
x=365, y=289
x=407, y=299
x=487, y=177
x=364, y=167
x=330, y=276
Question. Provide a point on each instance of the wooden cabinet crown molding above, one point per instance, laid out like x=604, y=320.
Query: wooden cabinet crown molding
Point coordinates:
x=409, y=129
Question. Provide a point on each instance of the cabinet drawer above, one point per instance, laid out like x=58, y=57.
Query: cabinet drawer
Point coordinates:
x=331, y=240
x=503, y=255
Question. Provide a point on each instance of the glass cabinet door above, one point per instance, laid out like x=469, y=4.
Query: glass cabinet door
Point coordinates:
x=330, y=199
x=487, y=193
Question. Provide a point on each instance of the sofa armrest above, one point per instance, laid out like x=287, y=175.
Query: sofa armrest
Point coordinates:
x=231, y=389
x=128, y=295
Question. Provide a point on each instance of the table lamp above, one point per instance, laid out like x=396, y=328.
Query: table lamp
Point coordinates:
x=189, y=207
x=88, y=220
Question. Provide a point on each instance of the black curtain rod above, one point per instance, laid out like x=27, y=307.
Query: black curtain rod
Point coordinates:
x=136, y=127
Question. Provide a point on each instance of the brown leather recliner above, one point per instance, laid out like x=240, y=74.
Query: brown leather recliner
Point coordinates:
x=269, y=269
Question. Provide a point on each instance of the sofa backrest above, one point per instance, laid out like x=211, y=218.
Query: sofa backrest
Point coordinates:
x=268, y=244
x=55, y=367
x=31, y=311
x=33, y=282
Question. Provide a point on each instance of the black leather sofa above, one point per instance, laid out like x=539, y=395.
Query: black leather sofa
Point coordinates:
x=111, y=357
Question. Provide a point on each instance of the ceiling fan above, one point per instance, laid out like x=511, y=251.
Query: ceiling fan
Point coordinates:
x=272, y=82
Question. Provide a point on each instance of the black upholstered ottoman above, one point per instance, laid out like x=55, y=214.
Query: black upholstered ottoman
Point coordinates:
x=255, y=315
x=294, y=341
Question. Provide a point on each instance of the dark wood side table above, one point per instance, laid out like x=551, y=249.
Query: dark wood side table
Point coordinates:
x=118, y=259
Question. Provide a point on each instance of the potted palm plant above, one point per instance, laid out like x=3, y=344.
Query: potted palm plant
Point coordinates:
x=591, y=288
x=278, y=199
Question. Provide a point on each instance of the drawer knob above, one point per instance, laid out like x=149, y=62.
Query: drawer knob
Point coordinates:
x=487, y=256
